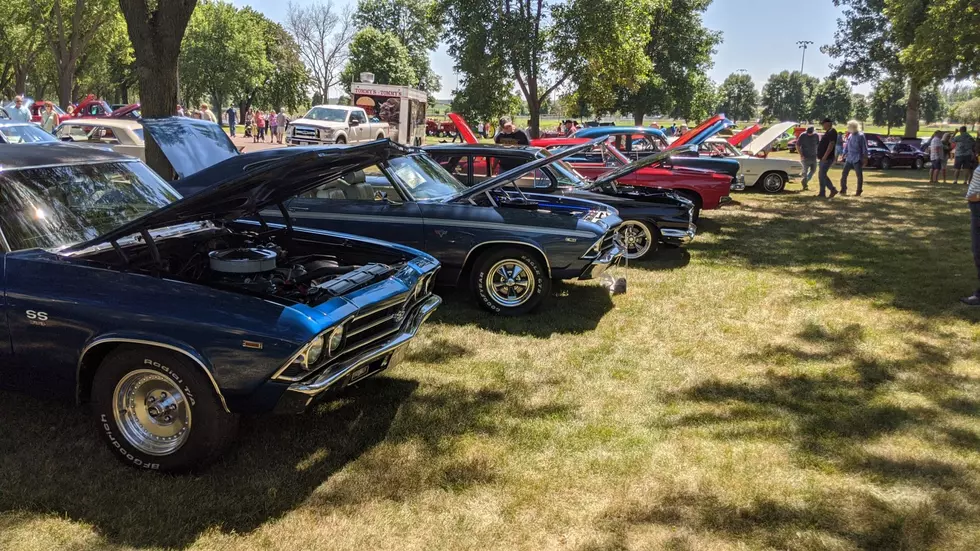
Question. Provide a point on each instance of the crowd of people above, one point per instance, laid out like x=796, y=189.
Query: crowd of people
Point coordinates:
x=259, y=125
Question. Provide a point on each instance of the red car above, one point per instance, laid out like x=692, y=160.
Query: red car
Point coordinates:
x=705, y=188
x=38, y=106
x=92, y=107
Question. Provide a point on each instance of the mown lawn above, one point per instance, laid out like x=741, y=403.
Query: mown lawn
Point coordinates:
x=801, y=377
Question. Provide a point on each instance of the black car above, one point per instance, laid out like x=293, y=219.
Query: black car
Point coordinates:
x=886, y=155
x=503, y=245
x=650, y=217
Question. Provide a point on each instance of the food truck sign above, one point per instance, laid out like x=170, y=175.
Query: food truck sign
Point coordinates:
x=403, y=108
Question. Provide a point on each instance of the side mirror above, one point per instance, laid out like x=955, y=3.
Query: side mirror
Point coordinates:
x=354, y=122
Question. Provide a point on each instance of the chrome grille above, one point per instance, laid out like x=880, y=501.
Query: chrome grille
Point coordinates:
x=304, y=132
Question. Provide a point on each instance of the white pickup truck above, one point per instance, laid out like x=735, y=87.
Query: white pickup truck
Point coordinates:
x=329, y=124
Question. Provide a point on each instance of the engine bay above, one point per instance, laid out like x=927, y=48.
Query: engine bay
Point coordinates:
x=255, y=263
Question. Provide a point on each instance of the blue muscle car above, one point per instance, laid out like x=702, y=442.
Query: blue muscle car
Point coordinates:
x=503, y=245
x=172, y=316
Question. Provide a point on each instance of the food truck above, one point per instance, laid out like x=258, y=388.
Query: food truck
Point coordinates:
x=402, y=107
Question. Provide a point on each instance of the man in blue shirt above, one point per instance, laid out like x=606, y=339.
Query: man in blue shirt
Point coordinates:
x=19, y=113
x=231, y=120
x=855, y=156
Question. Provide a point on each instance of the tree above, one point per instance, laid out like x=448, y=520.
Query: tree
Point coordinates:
x=382, y=54
x=968, y=112
x=323, y=36
x=679, y=48
x=541, y=46
x=416, y=23
x=832, y=98
x=286, y=87
x=946, y=41
x=933, y=106
x=106, y=65
x=860, y=108
x=738, y=97
x=788, y=96
x=156, y=29
x=69, y=27
x=888, y=103
x=697, y=101
x=21, y=43
x=222, y=54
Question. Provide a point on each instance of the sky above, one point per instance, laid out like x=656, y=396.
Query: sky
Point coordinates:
x=759, y=36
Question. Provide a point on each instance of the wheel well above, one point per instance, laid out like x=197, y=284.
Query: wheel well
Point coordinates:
x=693, y=196
x=381, y=136
x=88, y=366
x=480, y=250
x=93, y=357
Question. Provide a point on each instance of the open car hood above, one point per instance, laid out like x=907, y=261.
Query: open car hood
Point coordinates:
x=464, y=129
x=742, y=135
x=765, y=139
x=125, y=110
x=514, y=173
x=641, y=163
x=703, y=131
x=239, y=187
x=191, y=145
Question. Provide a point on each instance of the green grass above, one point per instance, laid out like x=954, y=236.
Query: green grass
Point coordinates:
x=800, y=377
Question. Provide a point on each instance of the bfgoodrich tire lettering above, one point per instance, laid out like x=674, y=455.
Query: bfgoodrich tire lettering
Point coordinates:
x=208, y=429
x=510, y=281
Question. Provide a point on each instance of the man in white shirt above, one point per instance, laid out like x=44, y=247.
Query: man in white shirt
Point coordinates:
x=973, y=199
x=936, y=156
x=19, y=113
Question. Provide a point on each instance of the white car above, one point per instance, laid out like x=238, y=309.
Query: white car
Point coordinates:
x=768, y=174
x=121, y=135
x=340, y=124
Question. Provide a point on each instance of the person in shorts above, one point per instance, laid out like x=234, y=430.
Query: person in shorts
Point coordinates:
x=962, y=154
x=936, y=156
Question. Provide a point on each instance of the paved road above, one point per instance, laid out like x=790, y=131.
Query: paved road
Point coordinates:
x=249, y=145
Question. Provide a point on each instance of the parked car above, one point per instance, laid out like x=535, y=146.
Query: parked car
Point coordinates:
x=340, y=124
x=886, y=155
x=122, y=135
x=650, y=217
x=91, y=107
x=638, y=141
x=23, y=133
x=173, y=316
x=706, y=189
x=492, y=239
x=130, y=111
x=439, y=128
x=768, y=174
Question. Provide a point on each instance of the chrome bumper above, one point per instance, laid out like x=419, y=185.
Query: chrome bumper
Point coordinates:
x=739, y=183
x=603, y=262
x=681, y=236
x=336, y=373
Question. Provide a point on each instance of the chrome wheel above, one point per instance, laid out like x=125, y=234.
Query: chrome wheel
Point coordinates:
x=773, y=183
x=151, y=412
x=510, y=283
x=636, y=237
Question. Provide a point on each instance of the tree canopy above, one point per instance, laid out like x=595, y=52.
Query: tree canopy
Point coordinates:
x=738, y=97
x=832, y=98
x=381, y=53
x=888, y=103
x=416, y=23
x=788, y=96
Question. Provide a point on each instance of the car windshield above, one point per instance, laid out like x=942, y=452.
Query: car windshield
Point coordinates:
x=25, y=133
x=328, y=114
x=424, y=178
x=564, y=173
x=57, y=206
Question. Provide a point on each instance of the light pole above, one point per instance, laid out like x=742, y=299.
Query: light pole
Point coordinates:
x=803, y=44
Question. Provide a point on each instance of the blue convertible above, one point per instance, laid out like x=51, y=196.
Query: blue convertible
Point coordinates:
x=503, y=244
x=172, y=316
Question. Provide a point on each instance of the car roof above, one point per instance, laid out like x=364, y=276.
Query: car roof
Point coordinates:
x=7, y=122
x=112, y=123
x=13, y=157
x=593, y=131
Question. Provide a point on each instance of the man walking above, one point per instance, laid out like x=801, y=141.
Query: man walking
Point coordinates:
x=962, y=155
x=806, y=144
x=283, y=121
x=855, y=156
x=936, y=156
x=826, y=151
x=973, y=199
x=232, y=120
x=19, y=113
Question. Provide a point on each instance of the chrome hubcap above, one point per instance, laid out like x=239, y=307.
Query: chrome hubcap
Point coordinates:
x=152, y=412
x=772, y=183
x=636, y=237
x=510, y=282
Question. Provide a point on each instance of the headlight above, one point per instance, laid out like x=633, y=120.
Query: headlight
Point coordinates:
x=313, y=353
x=326, y=132
x=335, y=340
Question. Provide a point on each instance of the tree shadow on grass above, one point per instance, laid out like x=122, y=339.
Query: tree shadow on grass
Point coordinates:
x=829, y=419
x=589, y=301
x=53, y=463
x=909, y=249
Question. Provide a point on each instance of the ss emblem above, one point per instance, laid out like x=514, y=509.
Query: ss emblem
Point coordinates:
x=39, y=316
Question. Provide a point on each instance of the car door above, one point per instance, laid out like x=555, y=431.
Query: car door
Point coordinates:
x=358, y=127
x=371, y=207
x=906, y=155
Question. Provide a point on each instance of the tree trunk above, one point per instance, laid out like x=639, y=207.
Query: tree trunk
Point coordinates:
x=20, y=81
x=66, y=76
x=158, y=98
x=912, y=111
x=638, y=117
x=534, y=111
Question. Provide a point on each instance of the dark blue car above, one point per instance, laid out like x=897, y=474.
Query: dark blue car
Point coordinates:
x=23, y=132
x=503, y=244
x=172, y=316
